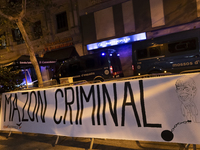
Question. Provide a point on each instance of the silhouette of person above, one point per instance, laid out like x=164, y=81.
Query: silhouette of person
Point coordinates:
x=186, y=90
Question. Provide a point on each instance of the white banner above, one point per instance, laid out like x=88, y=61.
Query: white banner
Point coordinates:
x=153, y=109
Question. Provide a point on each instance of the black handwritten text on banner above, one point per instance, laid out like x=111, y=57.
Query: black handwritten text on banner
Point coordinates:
x=41, y=103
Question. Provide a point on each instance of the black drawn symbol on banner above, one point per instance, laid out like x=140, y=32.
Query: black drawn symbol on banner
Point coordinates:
x=18, y=124
x=168, y=135
x=186, y=91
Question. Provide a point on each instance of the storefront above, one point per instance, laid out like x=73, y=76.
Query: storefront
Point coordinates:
x=61, y=54
x=47, y=67
x=123, y=46
x=60, y=49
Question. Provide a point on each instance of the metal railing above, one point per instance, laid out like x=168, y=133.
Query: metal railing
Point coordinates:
x=53, y=82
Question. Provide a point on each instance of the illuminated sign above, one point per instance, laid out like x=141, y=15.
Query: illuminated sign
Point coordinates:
x=40, y=62
x=117, y=41
x=59, y=44
x=60, y=41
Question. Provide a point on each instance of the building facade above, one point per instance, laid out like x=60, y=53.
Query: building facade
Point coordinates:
x=51, y=28
x=106, y=20
x=69, y=27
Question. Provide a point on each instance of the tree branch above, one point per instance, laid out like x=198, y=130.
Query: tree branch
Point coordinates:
x=6, y=16
x=23, y=13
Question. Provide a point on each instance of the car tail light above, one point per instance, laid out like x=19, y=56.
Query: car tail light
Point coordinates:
x=133, y=67
x=111, y=69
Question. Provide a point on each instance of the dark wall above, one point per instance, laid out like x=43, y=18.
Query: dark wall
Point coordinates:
x=179, y=11
x=88, y=25
x=88, y=28
x=118, y=20
x=142, y=15
x=176, y=12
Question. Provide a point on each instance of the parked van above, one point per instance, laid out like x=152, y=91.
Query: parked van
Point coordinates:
x=98, y=66
x=173, y=53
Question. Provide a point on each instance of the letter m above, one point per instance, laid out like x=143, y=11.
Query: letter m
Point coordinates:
x=7, y=102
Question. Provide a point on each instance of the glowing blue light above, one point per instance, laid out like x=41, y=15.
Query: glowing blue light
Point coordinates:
x=118, y=54
x=102, y=54
x=117, y=41
x=110, y=54
x=28, y=77
x=92, y=46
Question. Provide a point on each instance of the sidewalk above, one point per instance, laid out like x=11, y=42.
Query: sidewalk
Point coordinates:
x=29, y=141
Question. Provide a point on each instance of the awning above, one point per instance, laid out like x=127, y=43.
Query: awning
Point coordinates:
x=24, y=60
x=61, y=54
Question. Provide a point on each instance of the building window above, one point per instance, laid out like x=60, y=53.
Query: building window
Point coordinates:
x=62, y=24
x=37, y=30
x=155, y=51
x=2, y=41
x=180, y=46
x=13, y=2
x=17, y=36
x=142, y=53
